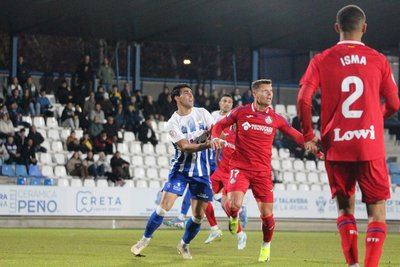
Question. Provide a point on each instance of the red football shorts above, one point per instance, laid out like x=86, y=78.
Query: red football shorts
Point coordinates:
x=260, y=184
x=372, y=177
x=219, y=181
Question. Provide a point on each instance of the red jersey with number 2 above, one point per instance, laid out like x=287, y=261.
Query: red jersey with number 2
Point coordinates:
x=352, y=78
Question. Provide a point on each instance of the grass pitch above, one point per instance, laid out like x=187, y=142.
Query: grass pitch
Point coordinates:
x=87, y=247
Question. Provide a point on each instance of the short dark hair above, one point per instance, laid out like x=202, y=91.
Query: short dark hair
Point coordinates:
x=176, y=91
x=350, y=18
x=226, y=95
x=256, y=84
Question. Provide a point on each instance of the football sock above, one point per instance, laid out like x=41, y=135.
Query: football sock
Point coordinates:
x=154, y=222
x=348, y=233
x=376, y=234
x=191, y=230
x=210, y=215
x=186, y=203
x=268, y=225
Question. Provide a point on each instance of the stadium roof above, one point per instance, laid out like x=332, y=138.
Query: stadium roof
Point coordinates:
x=254, y=23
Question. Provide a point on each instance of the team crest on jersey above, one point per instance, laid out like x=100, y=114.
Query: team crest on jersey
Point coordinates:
x=268, y=120
x=172, y=133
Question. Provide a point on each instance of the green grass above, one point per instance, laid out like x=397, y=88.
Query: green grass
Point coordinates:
x=87, y=247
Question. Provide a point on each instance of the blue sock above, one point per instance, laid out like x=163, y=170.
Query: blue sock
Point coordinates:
x=191, y=230
x=153, y=223
x=186, y=202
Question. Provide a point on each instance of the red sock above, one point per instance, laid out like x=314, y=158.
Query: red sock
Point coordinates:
x=231, y=212
x=227, y=209
x=376, y=234
x=210, y=215
x=268, y=225
x=348, y=233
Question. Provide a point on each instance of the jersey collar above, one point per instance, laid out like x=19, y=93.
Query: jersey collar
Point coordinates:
x=266, y=109
x=350, y=42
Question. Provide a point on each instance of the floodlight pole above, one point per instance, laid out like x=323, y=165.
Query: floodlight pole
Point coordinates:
x=14, y=56
x=234, y=70
x=254, y=64
x=137, y=67
x=128, y=64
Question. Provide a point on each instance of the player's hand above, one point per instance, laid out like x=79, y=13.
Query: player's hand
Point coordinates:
x=217, y=143
x=311, y=146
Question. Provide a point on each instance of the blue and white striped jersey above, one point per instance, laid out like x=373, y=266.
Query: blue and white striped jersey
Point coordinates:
x=194, y=128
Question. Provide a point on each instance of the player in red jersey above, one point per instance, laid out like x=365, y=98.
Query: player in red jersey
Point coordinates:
x=352, y=78
x=250, y=164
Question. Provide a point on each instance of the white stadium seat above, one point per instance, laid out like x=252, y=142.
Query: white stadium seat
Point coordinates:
x=162, y=126
x=123, y=148
x=301, y=177
x=150, y=161
x=125, y=157
x=298, y=165
x=42, y=132
x=57, y=146
x=287, y=164
x=148, y=149
x=102, y=183
x=288, y=177
x=51, y=122
x=152, y=174
x=39, y=122
x=315, y=187
x=164, y=138
x=274, y=152
x=141, y=184
x=59, y=171
x=47, y=171
x=284, y=153
x=76, y=183
x=313, y=178
x=164, y=174
x=321, y=165
x=291, y=110
x=89, y=183
x=137, y=161
x=53, y=134
x=310, y=165
x=280, y=187
x=79, y=133
x=63, y=182
x=46, y=145
x=291, y=187
x=27, y=119
x=139, y=173
x=129, y=183
x=326, y=187
x=280, y=109
x=161, y=149
x=45, y=158
x=304, y=187
x=163, y=161
x=135, y=148
x=275, y=164
x=171, y=150
x=129, y=136
x=323, y=177
x=154, y=184
x=65, y=133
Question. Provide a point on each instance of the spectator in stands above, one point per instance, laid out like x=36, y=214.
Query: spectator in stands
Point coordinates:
x=247, y=97
x=132, y=119
x=149, y=109
x=103, y=167
x=3, y=107
x=37, y=139
x=103, y=144
x=4, y=156
x=100, y=94
x=139, y=100
x=107, y=106
x=89, y=105
x=200, y=98
x=83, y=122
x=20, y=138
x=120, y=167
x=167, y=111
x=162, y=100
x=97, y=113
x=68, y=118
x=85, y=76
x=29, y=104
x=73, y=142
x=147, y=133
x=14, y=97
x=14, y=85
x=29, y=85
x=106, y=74
x=115, y=95
x=45, y=105
x=133, y=101
x=91, y=165
x=75, y=166
x=6, y=126
x=126, y=94
x=111, y=129
x=237, y=98
x=13, y=151
x=23, y=71
x=28, y=155
x=64, y=94
x=15, y=114
x=86, y=143
x=95, y=128
x=213, y=101
x=119, y=117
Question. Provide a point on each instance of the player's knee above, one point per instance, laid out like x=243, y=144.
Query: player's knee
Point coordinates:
x=235, y=205
x=161, y=211
x=197, y=219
